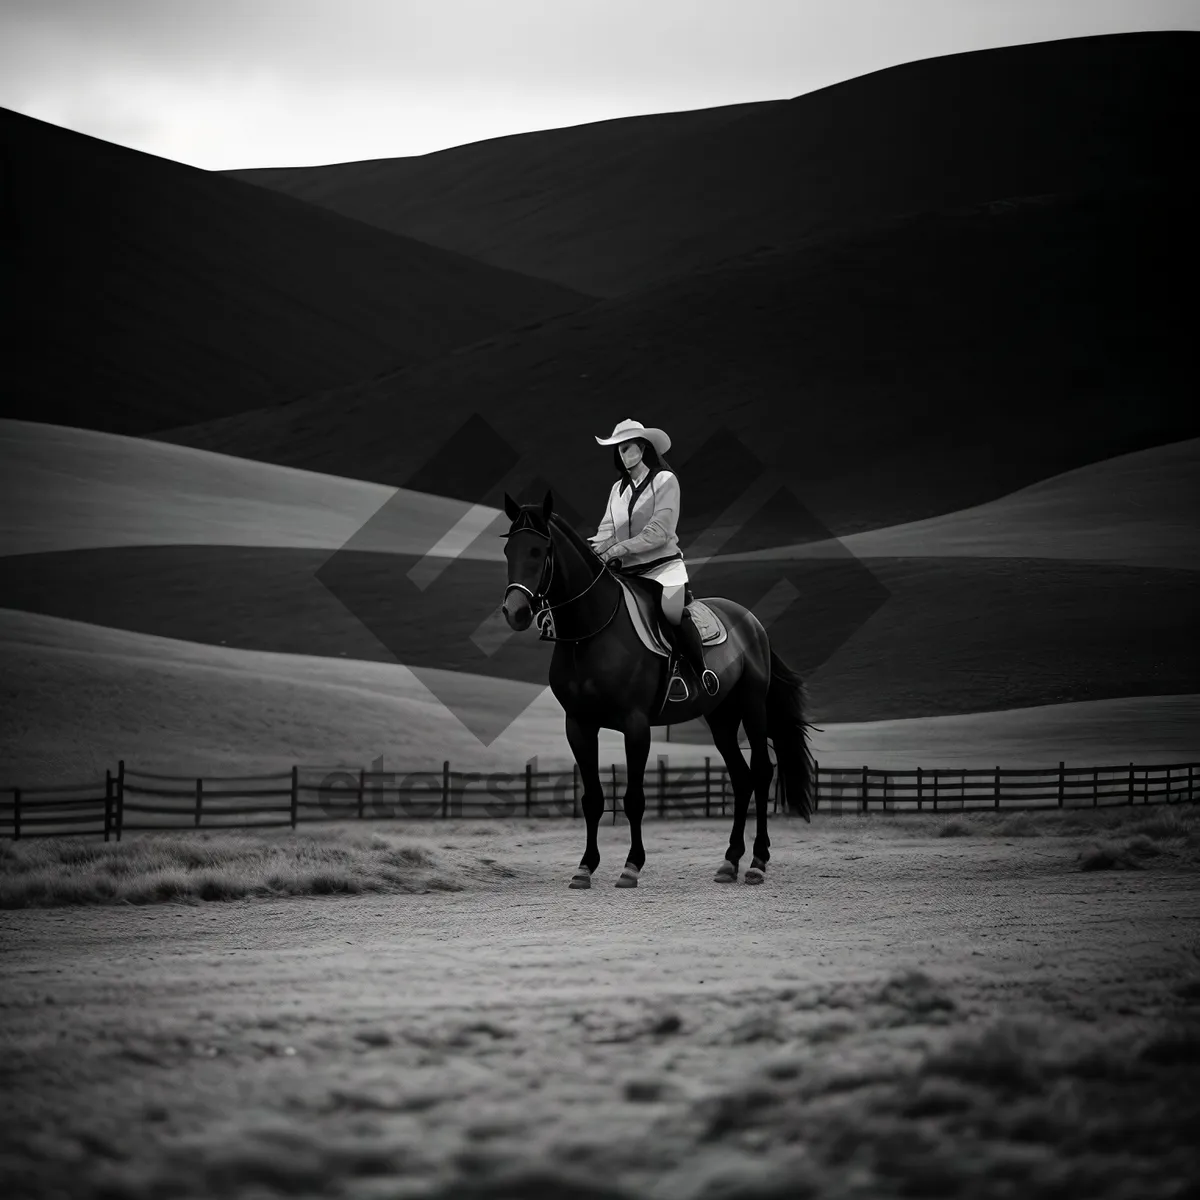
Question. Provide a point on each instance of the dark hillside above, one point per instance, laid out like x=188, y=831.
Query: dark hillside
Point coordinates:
x=149, y=294
x=611, y=207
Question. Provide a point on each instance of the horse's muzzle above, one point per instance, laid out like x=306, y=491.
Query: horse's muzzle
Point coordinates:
x=518, y=612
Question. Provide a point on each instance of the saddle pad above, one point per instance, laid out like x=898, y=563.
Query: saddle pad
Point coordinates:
x=711, y=627
x=642, y=613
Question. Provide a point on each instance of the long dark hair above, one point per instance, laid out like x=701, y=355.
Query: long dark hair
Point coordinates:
x=654, y=461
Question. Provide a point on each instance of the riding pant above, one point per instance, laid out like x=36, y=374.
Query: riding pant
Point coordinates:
x=672, y=578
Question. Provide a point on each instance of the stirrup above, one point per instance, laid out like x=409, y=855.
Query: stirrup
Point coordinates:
x=710, y=681
x=677, y=689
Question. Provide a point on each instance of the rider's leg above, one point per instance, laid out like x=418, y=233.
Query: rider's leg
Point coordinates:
x=666, y=611
x=687, y=636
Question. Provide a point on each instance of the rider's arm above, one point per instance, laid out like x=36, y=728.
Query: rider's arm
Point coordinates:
x=606, y=534
x=661, y=527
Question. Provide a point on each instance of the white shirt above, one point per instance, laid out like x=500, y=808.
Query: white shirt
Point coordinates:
x=648, y=532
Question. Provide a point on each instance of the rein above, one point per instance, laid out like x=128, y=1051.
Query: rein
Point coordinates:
x=543, y=610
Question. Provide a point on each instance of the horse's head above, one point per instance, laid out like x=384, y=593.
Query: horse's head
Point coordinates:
x=530, y=559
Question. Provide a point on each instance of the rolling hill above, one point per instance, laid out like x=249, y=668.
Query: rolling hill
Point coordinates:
x=76, y=489
x=611, y=207
x=78, y=697
x=951, y=626
x=153, y=294
x=895, y=373
x=1138, y=509
x=933, y=312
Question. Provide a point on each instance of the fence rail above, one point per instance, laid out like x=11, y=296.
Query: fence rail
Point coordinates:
x=129, y=801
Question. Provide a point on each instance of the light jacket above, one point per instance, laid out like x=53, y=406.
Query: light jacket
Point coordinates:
x=643, y=519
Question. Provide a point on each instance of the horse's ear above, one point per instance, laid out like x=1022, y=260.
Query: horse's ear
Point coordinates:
x=547, y=505
x=511, y=507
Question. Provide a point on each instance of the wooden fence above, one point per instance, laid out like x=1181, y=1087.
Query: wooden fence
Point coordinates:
x=131, y=801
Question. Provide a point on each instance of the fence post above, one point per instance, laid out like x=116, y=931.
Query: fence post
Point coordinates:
x=816, y=785
x=1095, y=786
x=16, y=814
x=362, y=779
x=445, y=788
x=529, y=789
x=935, y=789
x=1145, y=785
x=120, y=797
x=574, y=789
x=199, y=799
x=1189, y=783
x=108, y=801
x=1131, y=783
x=1169, y=800
x=724, y=780
x=707, y=785
x=920, y=801
x=864, y=789
x=997, y=805
x=662, y=786
x=295, y=792
x=614, y=792
x=1062, y=780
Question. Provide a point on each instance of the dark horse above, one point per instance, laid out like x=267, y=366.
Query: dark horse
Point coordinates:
x=604, y=677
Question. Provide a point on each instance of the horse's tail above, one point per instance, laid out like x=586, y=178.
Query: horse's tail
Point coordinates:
x=788, y=730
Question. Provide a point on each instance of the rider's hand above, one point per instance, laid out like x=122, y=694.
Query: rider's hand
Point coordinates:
x=612, y=550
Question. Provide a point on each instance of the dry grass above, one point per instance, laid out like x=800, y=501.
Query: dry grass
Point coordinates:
x=194, y=867
x=1019, y=825
x=913, y=1095
x=955, y=827
x=389, y=1048
x=1177, y=825
x=1128, y=855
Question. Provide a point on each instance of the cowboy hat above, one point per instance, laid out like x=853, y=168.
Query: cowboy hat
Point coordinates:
x=626, y=430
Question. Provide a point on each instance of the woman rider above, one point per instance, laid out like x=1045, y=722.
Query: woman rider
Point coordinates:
x=647, y=516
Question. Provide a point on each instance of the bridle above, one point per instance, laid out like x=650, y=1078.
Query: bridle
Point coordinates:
x=543, y=610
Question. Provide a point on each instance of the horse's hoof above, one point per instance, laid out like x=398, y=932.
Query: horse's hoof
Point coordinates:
x=582, y=878
x=726, y=873
x=756, y=872
x=628, y=877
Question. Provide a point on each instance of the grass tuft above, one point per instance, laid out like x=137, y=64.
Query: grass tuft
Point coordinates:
x=1018, y=825
x=1114, y=856
x=955, y=827
x=212, y=867
x=1005, y=1057
x=916, y=994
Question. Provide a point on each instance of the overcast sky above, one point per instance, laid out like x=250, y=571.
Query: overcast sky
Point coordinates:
x=250, y=83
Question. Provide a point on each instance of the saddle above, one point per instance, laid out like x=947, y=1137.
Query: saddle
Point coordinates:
x=641, y=599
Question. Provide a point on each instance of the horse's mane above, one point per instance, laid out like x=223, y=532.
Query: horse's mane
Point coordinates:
x=576, y=539
x=531, y=516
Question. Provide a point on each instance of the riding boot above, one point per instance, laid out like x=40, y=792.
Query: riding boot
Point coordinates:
x=677, y=686
x=689, y=641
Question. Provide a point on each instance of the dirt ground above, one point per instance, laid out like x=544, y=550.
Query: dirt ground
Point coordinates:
x=894, y=1013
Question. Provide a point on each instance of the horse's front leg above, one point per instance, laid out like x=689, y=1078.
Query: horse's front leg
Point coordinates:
x=637, y=751
x=585, y=745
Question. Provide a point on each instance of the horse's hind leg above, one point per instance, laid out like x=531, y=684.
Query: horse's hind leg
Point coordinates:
x=754, y=718
x=724, y=721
